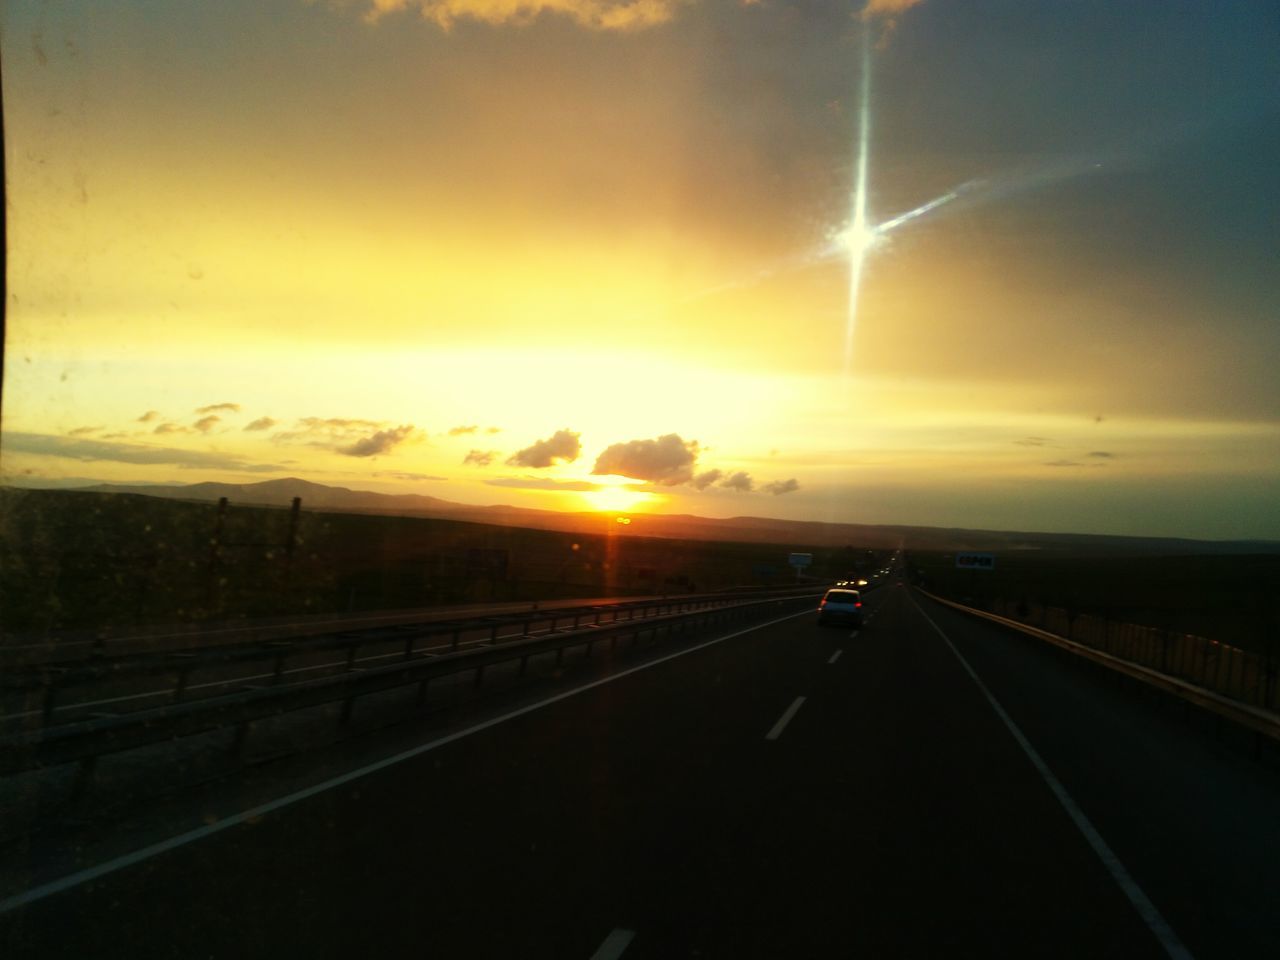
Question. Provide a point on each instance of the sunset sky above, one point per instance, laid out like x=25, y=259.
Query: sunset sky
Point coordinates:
x=579, y=254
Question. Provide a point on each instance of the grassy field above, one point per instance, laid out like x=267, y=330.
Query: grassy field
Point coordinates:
x=1234, y=599
x=80, y=560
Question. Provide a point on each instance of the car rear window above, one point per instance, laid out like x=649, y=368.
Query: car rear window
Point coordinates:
x=841, y=596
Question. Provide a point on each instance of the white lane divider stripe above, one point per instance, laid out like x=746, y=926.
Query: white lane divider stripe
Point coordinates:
x=1146, y=909
x=614, y=944
x=781, y=725
x=835, y=656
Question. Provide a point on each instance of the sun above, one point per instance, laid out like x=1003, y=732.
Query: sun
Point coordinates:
x=615, y=494
x=857, y=239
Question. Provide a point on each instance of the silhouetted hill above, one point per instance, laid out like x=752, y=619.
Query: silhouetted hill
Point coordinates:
x=317, y=496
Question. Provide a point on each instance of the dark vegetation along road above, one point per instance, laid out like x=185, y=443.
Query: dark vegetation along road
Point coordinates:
x=932, y=785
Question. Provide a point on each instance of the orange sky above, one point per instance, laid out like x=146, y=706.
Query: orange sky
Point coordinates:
x=362, y=229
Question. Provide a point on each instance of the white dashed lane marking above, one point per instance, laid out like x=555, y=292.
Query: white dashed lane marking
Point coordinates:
x=781, y=725
x=614, y=944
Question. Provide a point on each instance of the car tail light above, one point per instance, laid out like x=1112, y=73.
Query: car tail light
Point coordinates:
x=858, y=604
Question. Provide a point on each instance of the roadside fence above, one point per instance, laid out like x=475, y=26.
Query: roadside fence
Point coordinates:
x=1221, y=668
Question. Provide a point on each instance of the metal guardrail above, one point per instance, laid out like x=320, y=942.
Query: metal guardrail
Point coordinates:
x=85, y=740
x=1262, y=721
x=1238, y=674
x=54, y=651
x=47, y=684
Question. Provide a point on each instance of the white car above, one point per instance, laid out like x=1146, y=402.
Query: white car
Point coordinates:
x=841, y=606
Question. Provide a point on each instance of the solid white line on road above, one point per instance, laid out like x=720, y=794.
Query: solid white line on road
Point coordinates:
x=834, y=657
x=783, y=720
x=1146, y=909
x=854, y=635
x=146, y=853
x=614, y=944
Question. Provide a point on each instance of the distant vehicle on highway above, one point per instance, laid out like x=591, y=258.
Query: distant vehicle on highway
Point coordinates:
x=841, y=606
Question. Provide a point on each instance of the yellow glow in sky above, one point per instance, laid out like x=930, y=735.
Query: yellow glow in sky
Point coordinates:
x=252, y=241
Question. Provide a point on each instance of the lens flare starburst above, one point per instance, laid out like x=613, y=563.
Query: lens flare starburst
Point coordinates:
x=857, y=238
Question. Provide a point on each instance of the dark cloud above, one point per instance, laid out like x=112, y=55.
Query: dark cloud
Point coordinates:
x=83, y=431
x=91, y=450
x=885, y=13
x=1032, y=441
x=1099, y=458
x=149, y=416
x=262, y=423
x=384, y=441
x=405, y=475
x=338, y=423
x=779, y=487
x=328, y=433
x=740, y=481
x=171, y=428
x=603, y=15
x=480, y=458
x=219, y=407
x=563, y=445
x=462, y=431
x=706, y=478
x=667, y=461
x=542, y=483
x=205, y=424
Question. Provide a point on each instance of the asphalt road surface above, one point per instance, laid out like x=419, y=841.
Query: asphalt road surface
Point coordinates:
x=931, y=786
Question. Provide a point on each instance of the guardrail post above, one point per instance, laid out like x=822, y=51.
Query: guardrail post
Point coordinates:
x=454, y=644
x=84, y=780
x=184, y=674
x=240, y=741
x=493, y=634
x=50, y=697
x=408, y=648
x=351, y=656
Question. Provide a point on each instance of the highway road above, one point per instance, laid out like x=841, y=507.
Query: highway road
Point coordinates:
x=932, y=785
